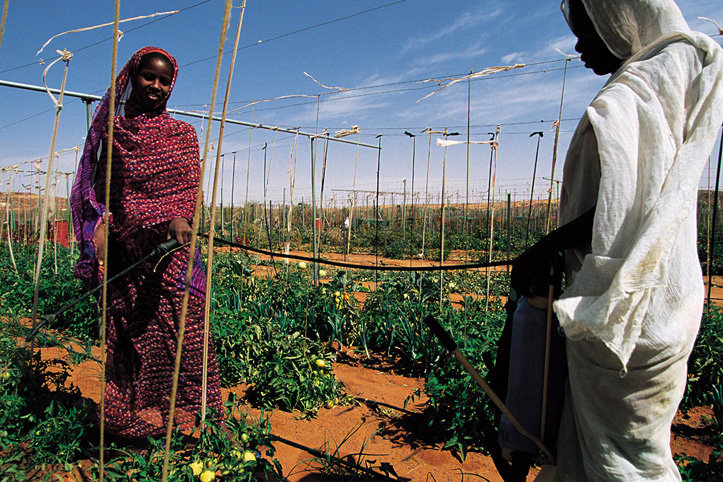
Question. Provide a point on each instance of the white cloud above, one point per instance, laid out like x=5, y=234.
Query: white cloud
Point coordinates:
x=469, y=53
x=466, y=21
x=512, y=57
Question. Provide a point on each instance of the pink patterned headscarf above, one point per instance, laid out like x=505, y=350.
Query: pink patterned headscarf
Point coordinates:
x=87, y=210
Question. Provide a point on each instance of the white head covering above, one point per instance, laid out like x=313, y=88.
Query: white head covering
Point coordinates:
x=637, y=155
x=628, y=26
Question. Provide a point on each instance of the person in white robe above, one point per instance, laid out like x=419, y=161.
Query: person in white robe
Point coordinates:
x=634, y=290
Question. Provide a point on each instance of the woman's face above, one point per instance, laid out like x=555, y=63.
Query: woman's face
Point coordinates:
x=593, y=51
x=152, y=83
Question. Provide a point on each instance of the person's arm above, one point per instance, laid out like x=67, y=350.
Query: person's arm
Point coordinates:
x=180, y=229
x=531, y=270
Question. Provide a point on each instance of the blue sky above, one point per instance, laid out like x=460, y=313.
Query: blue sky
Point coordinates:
x=381, y=50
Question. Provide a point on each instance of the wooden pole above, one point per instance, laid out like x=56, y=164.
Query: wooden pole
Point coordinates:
x=554, y=153
x=212, y=232
x=715, y=215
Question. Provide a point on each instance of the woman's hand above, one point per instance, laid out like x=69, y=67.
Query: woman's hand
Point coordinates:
x=180, y=229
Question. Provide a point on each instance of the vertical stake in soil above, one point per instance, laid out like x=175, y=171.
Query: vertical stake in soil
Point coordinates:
x=211, y=232
x=65, y=57
x=376, y=214
x=2, y=23
x=412, y=215
x=491, y=207
x=192, y=247
x=106, y=235
x=539, y=135
x=466, y=195
x=548, y=216
x=248, y=166
x=426, y=191
x=715, y=213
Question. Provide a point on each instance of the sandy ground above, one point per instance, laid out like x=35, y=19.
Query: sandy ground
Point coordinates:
x=383, y=433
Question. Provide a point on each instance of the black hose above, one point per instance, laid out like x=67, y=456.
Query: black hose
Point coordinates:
x=161, y=249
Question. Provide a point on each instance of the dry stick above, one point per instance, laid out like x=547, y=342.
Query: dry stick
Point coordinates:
x=450, y=345
x=323, y=178
x=106, y=233
x=267, y=178
x=491, y=206
x=441, y=244
x=466, y=195
x=10, y=248
x=426, y=197
x=66, y=56
x=539, y=135
x=546, y=370
x=708, y=222
x=192, y=248
x=233, y=184
x=715, y=212
x=248, y=166
x=292, y=181
x=353, y=198
x=212, y=230
x=2, y=24
x=554, y=152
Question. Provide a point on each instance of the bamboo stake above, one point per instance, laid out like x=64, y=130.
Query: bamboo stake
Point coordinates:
x=233, y=184
x=539, y=135
x=441, y=244
x=65, y=57
x=466, y=195
x=106, y=235
x=192, y=248
x=554, y=152
x=292, y=180
x=2, y=24
x=715, y=213
x=426, y=192
x=212, y=232
x=248, y=167
x=491, y=207
x=353, y=198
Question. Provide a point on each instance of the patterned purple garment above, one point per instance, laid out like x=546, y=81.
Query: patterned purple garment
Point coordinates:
x=155, y=174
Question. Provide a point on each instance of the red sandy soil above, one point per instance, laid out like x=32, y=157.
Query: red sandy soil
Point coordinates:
x=380, y=433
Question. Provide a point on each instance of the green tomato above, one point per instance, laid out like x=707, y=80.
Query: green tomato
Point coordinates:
x=244, y=437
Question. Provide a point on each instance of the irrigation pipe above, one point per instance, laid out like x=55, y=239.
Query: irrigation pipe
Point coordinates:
x=197, y=115
x=451, y=346
x=65, y=57
x=340, y=461
x=342, y=264
x=212, y=229
x=192, y=248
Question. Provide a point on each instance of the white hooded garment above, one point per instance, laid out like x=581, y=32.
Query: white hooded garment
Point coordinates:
x=638, y=154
